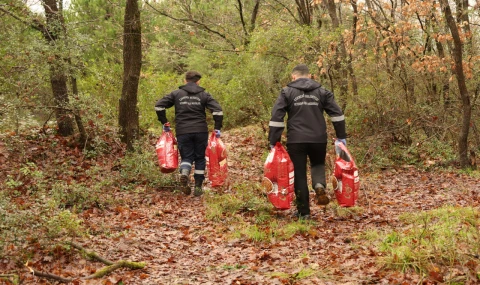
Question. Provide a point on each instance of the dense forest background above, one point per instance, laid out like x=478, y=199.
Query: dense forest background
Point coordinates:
x=78, y=84
x=404, y=72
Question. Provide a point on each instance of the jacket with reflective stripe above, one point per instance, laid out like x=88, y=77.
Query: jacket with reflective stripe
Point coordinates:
x=190, y=102
x=304, y=100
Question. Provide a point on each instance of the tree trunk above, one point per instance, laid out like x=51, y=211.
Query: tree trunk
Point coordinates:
x=58, y=79
x=341, y=70
x=457, y=54
x=76, y=112
x=132, y=63
x=304, y=9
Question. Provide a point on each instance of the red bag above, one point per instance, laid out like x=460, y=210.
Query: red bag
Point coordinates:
x=167, y=152
x=345, y=177
x=278, y=177
x=216, y=155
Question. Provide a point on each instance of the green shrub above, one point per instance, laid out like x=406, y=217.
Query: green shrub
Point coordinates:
x=141, y=167
x=64, y=224
x=75, y=195
x=243, y=200
x=444, y=237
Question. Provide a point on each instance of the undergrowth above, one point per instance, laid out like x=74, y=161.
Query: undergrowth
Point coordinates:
x=49, y=181
x=250, y=216
x=437, y=240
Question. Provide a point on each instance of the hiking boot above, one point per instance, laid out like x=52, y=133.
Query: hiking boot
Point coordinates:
x=300, y=216
x=186, y=190
x=304, y=218
x=198, y=188
x=184, y=174
x=321, y=196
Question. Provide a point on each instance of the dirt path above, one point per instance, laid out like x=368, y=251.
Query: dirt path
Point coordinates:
x=170, y=233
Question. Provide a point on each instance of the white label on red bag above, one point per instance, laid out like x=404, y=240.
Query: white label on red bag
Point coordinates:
x=275, y=188
x=270, y=157
x=160, y=144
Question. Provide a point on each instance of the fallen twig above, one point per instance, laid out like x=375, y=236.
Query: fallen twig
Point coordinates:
x=90, y=254
x=13, y=278
x=111, y=266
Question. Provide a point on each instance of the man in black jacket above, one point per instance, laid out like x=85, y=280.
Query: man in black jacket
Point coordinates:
x=190, y=102
x=304, y=100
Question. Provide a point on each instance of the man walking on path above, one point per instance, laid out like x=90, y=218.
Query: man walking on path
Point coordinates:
x=304, y=100
x=190, y=102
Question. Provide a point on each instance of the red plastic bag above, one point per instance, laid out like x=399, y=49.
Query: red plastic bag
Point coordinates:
x=167, y=152
x=346, y=180
x=279, y=177
x=216, y=155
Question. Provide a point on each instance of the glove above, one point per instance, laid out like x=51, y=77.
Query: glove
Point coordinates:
x=272, y=146
x=166, y=127
x=217, y=133
x=344, y=141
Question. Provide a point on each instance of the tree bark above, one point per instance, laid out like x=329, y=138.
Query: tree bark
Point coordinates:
x=341, y=72
x=304, y=9
x=76, y=112
x=128, y=117
x=58, y=79
x=457, y=54
x=253, y=18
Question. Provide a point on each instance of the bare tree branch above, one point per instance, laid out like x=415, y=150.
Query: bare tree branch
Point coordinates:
x=35, y=24
x=289, y=11
x=193, y=21
x=240, y=10
x=90, y=254
x=253, y=19
x=111, y=266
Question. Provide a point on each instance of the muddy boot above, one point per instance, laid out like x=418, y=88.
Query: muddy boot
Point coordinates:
x=321, y=196
x=198, y=188
x=184, y=174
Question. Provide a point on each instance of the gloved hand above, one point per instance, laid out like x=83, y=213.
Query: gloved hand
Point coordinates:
x=217, y=133
x=344, y=141
x=166, y=127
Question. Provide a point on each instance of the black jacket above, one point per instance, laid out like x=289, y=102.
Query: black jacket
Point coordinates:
x=190, y=101
x=304, y=100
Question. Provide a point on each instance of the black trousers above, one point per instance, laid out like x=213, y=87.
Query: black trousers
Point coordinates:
x=192, y=150
x=299, y=152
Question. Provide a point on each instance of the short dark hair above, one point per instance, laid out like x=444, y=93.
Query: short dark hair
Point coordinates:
x=301, y=70
x=192, y=76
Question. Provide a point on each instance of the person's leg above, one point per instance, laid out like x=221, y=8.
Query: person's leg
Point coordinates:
x=201, y=142
x=187, y=154
x=316, y=154
x=298, y=155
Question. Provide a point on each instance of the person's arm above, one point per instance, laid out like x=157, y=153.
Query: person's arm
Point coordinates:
x=277, y=124
x=162, y=104
x=336, y=115
x=216, y=110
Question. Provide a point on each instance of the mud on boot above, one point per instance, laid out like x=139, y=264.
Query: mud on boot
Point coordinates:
x=198, y=191
x=321, y=196
x=184, y=175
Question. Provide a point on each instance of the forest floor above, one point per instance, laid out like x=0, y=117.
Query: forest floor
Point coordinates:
x=170, y=232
